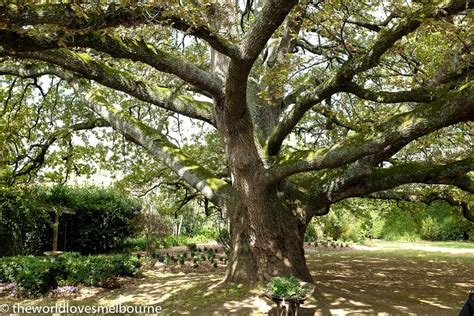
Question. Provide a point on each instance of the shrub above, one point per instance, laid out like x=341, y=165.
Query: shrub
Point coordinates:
x=223, y=237
x=98, y=270
x=310, y=235
x=32, y=275
x=341, y=224
x=35, y=275
x=173, y=241
x=287, y=288
x=24, y=224
x=430, y=229
x=126, y=265
x=104, y=218
x=134, y=244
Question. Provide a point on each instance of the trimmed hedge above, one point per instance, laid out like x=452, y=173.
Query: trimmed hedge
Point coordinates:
x=104, y=219
x=35, y=275
x=24, y=226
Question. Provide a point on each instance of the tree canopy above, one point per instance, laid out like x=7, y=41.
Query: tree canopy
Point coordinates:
x=298, y=105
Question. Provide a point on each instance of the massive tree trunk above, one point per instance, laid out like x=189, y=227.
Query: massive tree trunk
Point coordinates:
x=267, y=240
x=267, y=235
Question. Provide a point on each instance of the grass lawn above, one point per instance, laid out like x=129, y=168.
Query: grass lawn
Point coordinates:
x=408, y=244
x=388, y=280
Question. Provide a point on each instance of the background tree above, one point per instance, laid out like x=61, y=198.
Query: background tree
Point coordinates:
x=313, y=102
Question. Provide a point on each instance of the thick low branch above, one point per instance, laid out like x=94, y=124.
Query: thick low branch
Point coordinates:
x=420, y=95
x=132, y=49
x=87, y=67
x=457, y=106
x=92, y=17
x=324, y=193
x=427, y=198
x=213, y=188
x=376, y=27
x=357, y=64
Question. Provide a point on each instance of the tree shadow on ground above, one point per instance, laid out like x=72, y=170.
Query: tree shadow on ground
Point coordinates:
x=350, y=282
x=386, y=283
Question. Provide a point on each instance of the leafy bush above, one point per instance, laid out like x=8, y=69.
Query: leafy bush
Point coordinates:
x=173, y=241
x=438, y=221
x=32, y=275
x=452, y=225
x=342, y=225
x=97, y=270
x=35, y=275
x=310, y=235
x=430, y=229
x=104, y=218
x=133, y=244
x=287, y=288
x=223, y=237
x=402, y=222
x=23, y=223
x=126, y=265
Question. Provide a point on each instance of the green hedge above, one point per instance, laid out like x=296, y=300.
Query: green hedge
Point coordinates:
x=35, y=275
x=24, y=225
x=103, y=219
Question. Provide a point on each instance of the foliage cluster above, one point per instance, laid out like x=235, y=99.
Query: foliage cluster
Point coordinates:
x=287, y=288
x=358, y=219
x=103, y=219
x=24, y=225
x=35, y=275
x=140, y=243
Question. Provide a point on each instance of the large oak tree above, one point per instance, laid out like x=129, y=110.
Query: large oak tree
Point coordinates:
x=314, y=102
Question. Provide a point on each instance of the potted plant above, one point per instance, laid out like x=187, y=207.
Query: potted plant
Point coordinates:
x=288, y=289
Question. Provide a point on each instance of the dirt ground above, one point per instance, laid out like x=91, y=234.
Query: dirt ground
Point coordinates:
x=390, y=282
x=371, y=282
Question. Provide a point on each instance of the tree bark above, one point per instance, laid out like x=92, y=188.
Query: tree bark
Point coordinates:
x=267, y=241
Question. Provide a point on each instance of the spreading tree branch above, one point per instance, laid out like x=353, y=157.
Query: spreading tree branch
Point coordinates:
x=87, y=67
x=420, y=95
x=37, y=161
x=403, y=194
x=456, y=106
x=132, y=49
x=216, y=190
x=326, y=192
x=72, y=16
x=357, y=64
x=271, y=16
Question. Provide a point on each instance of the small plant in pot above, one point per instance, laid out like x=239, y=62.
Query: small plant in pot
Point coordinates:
x=288, y=289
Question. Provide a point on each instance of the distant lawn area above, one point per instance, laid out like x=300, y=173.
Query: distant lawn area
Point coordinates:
x=388, y=280
x=407, y=244
x=393, y=279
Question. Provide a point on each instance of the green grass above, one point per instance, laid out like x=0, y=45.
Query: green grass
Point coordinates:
x=407, y=244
